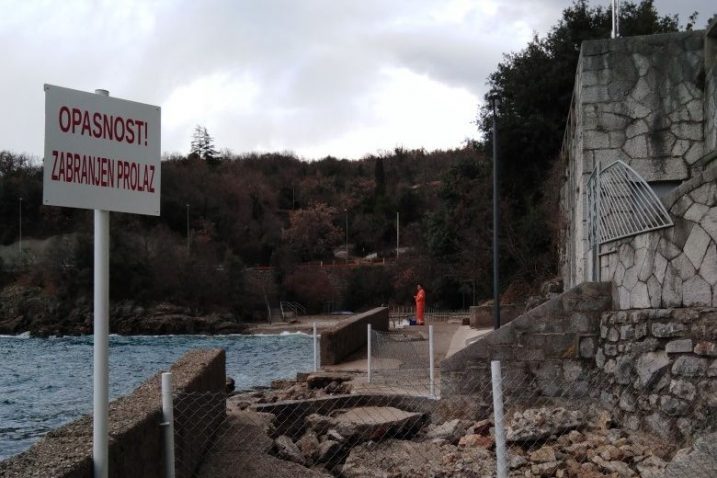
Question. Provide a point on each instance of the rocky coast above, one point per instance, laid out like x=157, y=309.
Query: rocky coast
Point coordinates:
x=29, y=309
x=452, y=438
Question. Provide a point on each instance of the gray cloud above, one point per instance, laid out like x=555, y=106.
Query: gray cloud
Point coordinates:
x=274, y=73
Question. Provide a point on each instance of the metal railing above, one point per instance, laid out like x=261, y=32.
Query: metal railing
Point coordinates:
x=286, y=307
x=621, y=204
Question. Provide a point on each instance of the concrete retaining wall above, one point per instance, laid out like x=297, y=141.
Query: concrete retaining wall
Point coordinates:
x=551, y=346
x=481, y=316
x=348, y=337
x=135, y=434
x=660, y=369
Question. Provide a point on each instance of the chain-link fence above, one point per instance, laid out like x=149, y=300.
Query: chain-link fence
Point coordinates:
x=507, y=419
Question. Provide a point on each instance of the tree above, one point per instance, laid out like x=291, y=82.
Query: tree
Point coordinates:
x=535, y=87
x=203, y=144
x=312, y=233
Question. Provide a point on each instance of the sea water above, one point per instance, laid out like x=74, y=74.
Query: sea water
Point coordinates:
x=47, y=382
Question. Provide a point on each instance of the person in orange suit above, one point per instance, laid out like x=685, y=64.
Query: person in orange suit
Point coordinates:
x=420, y=298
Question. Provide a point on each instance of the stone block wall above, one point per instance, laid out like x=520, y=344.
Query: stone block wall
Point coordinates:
x=135, y=434
x=349, y=336
x=660, y=369
x=673, y=267
x=551, y=347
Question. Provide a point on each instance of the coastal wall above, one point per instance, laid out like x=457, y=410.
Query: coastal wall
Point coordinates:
x=551, y=347
x=349, y=337
x=660, y=369
x=672, y=267
x=135, y=434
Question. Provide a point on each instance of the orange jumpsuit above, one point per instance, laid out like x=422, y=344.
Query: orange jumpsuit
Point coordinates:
x=420, y=306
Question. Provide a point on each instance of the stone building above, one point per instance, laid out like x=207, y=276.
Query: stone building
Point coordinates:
x=636, y=329
x=650, y=102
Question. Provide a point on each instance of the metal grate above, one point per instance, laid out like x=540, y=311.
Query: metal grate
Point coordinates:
x=621, y=204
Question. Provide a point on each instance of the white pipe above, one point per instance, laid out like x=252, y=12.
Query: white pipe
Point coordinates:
x=617, y=18
x=100, y=383
x=430, y=360
x=168, y=424
x=316, y=350
x=368, y=352
x=500, y=455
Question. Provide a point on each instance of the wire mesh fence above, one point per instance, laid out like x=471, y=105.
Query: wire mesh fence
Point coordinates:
x=537, y=422
x=401, y=316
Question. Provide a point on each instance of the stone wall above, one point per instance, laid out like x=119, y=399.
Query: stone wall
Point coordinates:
x=640, y=100
x=349, y=336
x=661, y=369
x=135, y=434
x=552, y=346
x=673, y=267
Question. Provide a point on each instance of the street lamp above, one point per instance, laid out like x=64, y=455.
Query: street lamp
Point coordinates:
x=494, y=99
x=20, y=228
x=187, y=228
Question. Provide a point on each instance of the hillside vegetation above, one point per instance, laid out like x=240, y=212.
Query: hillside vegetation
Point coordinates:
x=256, y=220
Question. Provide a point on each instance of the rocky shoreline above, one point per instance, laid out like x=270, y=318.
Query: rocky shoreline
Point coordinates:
x=454, y=439
x=24, y=309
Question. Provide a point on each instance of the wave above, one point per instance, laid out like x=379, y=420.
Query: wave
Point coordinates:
x=285, y=333
x=24, y=335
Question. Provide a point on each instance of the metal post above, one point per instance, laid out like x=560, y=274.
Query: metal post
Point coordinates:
x=431, y=361
x=187, y=228
x=20, y=228
x=368, y=352
x=316, y=350
x=397, y=232
x=168, y=424
x=100, y=382
x=500, y=455
x=496, y=218
x=596, y=224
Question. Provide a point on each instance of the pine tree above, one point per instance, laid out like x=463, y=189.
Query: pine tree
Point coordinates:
x=203, y=144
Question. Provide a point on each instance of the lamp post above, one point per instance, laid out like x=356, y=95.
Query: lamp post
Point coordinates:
x=19, y=242
x=494, y=99
x=187, y=228
x=346, y=212
x=397, y=233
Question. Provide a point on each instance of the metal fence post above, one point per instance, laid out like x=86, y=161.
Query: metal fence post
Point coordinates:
x=430, y=361
x=168, y=424
x=368, y=352
x=500, y=458
x=316, y=350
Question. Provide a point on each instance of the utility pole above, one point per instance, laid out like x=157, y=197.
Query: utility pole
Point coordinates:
x=494, y=99
x=187, y=228
x=346, y=211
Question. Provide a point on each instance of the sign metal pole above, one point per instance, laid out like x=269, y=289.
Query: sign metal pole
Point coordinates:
x=100, y=382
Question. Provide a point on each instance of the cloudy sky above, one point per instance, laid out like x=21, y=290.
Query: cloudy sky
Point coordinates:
x=316, y=77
